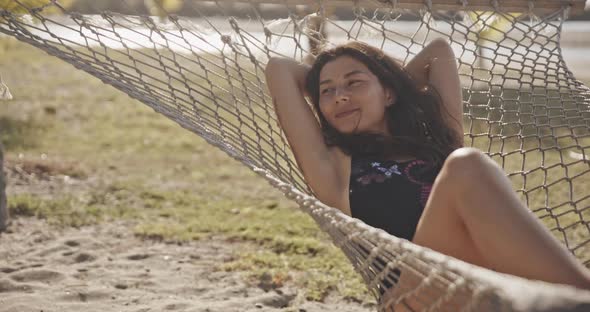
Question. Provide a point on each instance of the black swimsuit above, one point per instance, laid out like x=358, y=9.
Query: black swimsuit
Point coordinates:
x=390, y=195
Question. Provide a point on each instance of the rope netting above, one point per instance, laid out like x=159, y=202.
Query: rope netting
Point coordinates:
x=522, y=105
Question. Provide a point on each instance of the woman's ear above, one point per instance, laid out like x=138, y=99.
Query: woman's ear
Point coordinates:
x=390, y=97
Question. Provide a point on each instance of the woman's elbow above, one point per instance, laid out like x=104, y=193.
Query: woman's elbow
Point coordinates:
x=275, y=67
x=270, y=65
x=440, y=43
x=275, y=63
x=271, y=70
x=441, y=47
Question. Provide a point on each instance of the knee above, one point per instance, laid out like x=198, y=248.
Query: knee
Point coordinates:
x=466, y=163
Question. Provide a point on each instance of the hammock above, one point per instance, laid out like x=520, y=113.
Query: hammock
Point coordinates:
x=522, y=104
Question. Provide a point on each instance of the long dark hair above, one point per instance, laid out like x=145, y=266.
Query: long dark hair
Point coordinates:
x=414, y=121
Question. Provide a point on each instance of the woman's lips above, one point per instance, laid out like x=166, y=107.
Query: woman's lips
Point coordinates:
x=347, y=113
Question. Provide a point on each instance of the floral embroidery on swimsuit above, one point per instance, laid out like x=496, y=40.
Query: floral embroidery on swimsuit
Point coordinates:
x=378, y=172
x=381, y=175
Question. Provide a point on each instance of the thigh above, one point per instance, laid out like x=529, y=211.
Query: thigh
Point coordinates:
x=441, y=228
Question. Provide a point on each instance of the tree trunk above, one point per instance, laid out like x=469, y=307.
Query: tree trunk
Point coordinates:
x=3, y=207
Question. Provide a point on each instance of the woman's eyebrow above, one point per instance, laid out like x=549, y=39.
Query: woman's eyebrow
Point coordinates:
x=353, y=72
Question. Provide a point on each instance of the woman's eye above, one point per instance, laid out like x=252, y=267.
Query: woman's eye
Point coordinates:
x=354, y=83
x=327, y=90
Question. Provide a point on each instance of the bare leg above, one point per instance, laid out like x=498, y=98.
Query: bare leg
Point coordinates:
x=474, y=215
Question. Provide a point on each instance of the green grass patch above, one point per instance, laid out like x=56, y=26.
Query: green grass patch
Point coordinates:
x=65, y=211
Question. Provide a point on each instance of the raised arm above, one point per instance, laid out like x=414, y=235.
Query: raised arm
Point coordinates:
x=285, y=79
x=436, y=66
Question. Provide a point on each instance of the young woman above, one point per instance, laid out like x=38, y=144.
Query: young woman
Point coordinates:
x=388, y=150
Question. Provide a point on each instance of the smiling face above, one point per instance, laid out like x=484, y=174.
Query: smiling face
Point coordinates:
x=351, y=97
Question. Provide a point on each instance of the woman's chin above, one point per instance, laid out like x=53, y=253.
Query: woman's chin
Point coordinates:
x=347, y=130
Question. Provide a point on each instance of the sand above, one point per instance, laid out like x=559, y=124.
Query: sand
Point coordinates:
x=106, y=268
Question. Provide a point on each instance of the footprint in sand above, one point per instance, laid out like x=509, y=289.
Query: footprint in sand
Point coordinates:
x=72, y=243
x=9, y=286
x=49, y=251
x=45, y=276
x=176, y=306
x=85, y=296
x=84, y=257
x=8, y=270
x=138, y=257
x=82, y=243
x=78, y=257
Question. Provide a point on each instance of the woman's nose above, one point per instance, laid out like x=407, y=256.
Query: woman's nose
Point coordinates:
x=341, y=95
